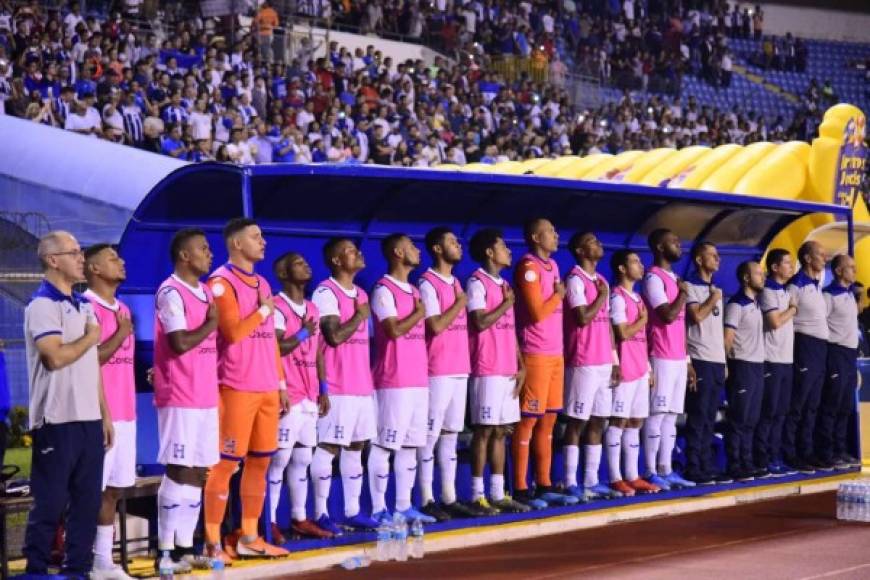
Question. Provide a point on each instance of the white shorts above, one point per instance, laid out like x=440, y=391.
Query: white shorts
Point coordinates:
x=631, y=399
x=188, y=437
x=351, y=418
x=119, y=463
x=669, y=385
x=494, y=401
x=588, y=392
x=298, y=425
x=402, y=417
x=447, y=397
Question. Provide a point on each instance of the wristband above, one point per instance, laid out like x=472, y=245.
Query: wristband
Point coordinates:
x=302, y=334
x=264, y=311
x=282, y=385
x=324, y=388
x=615, y=357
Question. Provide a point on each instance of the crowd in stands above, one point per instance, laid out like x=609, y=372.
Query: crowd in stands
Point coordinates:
x=195, y=96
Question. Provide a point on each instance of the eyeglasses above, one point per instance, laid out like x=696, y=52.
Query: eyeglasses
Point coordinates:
x=75, y=253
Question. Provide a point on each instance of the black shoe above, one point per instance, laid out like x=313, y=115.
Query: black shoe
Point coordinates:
x=741, y=475
x=480, y=508
x=761, y=473
x=849, y=460
x=700, y=478
x=458, y=510
x=801, y=466
x=434, y=510
x=820, y=464
x=721, y=478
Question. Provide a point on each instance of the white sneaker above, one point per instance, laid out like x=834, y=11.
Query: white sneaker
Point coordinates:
x=113, y=573
x=197, y=561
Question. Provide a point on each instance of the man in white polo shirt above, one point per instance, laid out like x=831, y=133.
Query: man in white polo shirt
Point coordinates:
x=70, y=422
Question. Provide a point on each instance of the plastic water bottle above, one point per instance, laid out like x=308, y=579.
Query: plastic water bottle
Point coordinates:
x=166, y=567
x=851, y=502
x=383, y=549
x=841, y=503
x=217, y=569
x=355, y=562
x=865, y=501
x=418, y=548
x=401, y=540
x=847, y=502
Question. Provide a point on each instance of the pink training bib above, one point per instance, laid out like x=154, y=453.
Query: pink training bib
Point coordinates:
x=448, y=350
x=248, y=365
x=494, y=351
x=300, y=364
x=633, y=359
x=119, y=379
x=544, y=336
x=588, y=345
x=186, y=380
x=347, y=365
x=401, y=362
x=667, y=341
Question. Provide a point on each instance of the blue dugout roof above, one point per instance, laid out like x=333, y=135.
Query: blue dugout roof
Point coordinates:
x=300, y=206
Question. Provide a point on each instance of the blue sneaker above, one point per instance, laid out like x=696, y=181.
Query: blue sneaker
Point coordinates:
x=678, y=482
x=561, y=499
x=412, y=514
x=576, y=491
x=787, y=468
x=362, y=522
x=660, y=481
x=382, y=517
x=600, y=491
x=525, y=497
x=325, y=523
x=776, y=469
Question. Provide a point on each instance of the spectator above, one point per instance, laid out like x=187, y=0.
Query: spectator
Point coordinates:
x=70, y=425
x=266, y=21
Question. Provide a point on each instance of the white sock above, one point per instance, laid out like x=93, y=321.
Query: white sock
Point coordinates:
x=276, y=479
x=630, y=452
x=379, y=476
x=321, y=475
x=350, y=465
x=591, y=464
x=652, y=439
x=169, y=500
x=669, y=441
x=297, y=481
x=447, y=465
x=191, y=504
x=426, y=461
x=476, y=488
x=572, y=461
x=103, y=547
x=496, y=486
x=405, y=466
x=613, y=440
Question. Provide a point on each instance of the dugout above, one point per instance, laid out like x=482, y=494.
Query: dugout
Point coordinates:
x=300, y=206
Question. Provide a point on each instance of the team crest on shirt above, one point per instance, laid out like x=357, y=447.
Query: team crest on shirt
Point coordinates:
x=177, y=451
x=339, y=432
x=578, y=407
x=390, y=435
x=530, y=275
x=284, y=435
x=486, y=413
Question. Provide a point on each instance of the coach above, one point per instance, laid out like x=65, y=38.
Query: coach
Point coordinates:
x=70, y=424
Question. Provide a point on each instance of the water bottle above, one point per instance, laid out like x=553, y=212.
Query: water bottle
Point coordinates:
x=166, y=567
x=418, y=548
x=402, y=540
x=383, y=547
x=865, y=502
x=355, y=562
x=851, y=502
x=217, y=569
x=841, y=492
x=847, y=501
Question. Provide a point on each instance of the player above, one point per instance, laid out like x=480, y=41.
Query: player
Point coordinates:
x=665, y=297
x=539, y=323
x=449, y=366
x=744, y=343
x=705, y=342
x=351, y=419
x=593, y=369
x=296, y=322
x=497, y=371
x=810, y=359
x=253, y=392
x=778, y=308
x=631, y=396
x=838, y=402
x=186, y=397
x=104, y=270
x=401, y=380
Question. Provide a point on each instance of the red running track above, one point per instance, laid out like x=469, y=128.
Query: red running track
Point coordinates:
x=792, y=538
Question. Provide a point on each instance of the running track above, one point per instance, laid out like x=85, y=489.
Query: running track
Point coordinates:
x=792, y=538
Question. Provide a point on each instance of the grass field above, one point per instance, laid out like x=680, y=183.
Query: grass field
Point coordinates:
x=19, y=456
